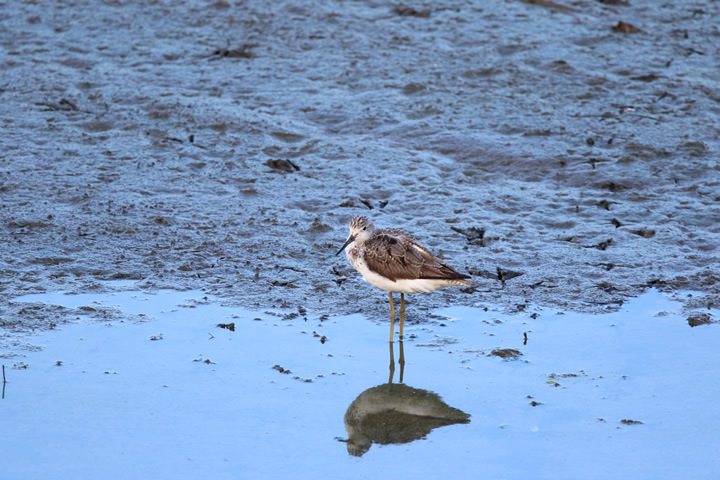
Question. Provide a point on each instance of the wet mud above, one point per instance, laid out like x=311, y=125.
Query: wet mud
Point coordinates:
x=563, y=154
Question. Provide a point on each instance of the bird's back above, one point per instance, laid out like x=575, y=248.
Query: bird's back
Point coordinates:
x=397, y=255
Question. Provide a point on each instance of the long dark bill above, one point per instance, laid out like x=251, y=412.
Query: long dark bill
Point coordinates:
x=347, y=242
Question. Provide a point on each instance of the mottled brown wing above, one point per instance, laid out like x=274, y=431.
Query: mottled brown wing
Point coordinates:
x=402, y=257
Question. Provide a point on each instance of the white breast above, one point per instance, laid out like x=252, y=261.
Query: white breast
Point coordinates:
x=355, y=257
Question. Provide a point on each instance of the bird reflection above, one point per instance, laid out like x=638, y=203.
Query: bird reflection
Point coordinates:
x=396, y=413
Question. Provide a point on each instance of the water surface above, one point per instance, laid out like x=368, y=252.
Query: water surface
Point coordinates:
x=167, y=392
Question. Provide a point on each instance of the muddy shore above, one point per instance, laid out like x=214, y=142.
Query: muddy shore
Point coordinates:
x=557, y=156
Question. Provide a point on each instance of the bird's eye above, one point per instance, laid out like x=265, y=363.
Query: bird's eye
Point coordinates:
x=364, y=228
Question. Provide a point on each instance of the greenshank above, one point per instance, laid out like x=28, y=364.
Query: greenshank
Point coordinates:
x=392, y=260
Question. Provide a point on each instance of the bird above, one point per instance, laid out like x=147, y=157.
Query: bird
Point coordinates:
x=393, y=260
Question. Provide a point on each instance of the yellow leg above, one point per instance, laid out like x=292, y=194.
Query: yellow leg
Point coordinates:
x=402, y=314
x=392, y=317
x=401, y=361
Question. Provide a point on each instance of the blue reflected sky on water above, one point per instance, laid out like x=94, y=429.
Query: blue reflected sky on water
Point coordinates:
x=176, y=395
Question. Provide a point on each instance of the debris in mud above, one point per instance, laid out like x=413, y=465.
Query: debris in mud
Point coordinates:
x=604, y=265
x=412, y=88
x=350, y=203
x=624, y=3
x=243, y=51
x=651, y=77
x=473, y=235
x=172, y=139
x=162, y=221
x=282, y=165
x=564, y=375
x=541, y=283
x=627, y=421
x=700, y=318
x=498, y=274
x=49, y=261
x=322, y=338
x=612, y=186
x=549, y=3
x=285, y=371
x=704, y=301
x=366, y=203
x=606, y=287
x=624, y=27
x=228, y=326
x=643, y=232
x=604, y=204
x=206, y=361
x=506, y=354
x=689, y=51
x=62, y=105
x=505, y=275
x=318, y=226
x=405, y=11
x=554, y=376
x=602, y=245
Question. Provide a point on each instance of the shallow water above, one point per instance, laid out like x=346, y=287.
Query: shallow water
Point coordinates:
x=163, y=391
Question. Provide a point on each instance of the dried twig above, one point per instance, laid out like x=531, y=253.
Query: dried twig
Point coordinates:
x=548, y=3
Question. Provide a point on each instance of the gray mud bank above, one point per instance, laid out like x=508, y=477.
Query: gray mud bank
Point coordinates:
x=557, y=155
